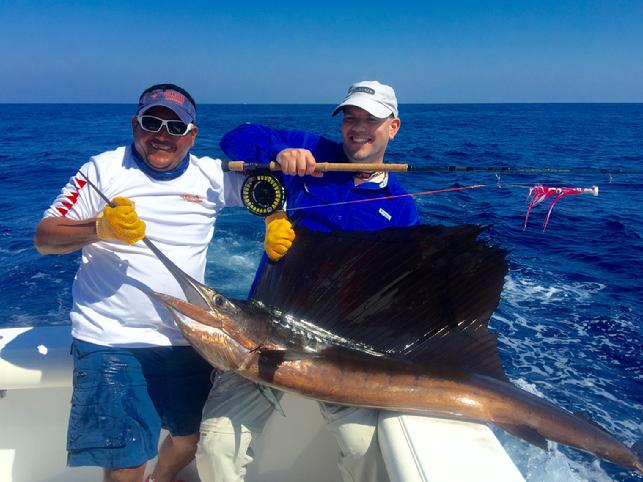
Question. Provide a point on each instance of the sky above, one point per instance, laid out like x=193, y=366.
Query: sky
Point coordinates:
x=247, y=51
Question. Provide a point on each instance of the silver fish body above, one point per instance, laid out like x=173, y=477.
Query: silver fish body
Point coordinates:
x=230, y=339
x=406, y=332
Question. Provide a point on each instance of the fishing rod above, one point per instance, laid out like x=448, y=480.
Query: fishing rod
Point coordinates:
x=241, y=166
x=263, y=193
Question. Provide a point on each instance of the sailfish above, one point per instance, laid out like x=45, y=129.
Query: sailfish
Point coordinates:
x=396, y=319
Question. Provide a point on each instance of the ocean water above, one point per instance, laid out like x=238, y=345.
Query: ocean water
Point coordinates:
x=569, y=321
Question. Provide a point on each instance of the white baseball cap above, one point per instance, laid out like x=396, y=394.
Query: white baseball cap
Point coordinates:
x=377, y=99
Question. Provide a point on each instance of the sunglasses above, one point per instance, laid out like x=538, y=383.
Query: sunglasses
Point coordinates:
x=150, y=123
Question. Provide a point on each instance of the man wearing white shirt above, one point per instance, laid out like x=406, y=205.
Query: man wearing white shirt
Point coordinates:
x=134, y=373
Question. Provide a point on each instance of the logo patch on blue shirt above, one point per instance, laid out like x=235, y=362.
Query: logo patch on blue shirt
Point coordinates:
x=385, y=214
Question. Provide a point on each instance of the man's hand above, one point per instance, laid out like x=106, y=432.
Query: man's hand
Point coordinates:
x=297, y=162
x=120, y=222
x=279, y=235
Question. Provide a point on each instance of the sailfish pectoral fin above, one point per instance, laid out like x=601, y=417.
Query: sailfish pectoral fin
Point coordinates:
x=267, y=392
x=275, y=357
x=270, y=359
x=279, y=356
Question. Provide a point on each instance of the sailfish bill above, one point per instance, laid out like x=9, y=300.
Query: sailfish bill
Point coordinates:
x=395, y=319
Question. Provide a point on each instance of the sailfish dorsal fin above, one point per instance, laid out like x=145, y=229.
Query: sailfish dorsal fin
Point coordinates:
x=424, y=293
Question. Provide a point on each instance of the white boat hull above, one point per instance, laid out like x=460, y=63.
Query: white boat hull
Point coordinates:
x=35, y=379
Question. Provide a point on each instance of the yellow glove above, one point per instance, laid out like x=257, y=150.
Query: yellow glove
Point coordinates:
x=120, y=222
x=279, y=235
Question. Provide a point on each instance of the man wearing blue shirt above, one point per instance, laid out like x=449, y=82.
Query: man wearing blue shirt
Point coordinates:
x=236, y=409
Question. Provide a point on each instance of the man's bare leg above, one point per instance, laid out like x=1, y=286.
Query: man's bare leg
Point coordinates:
x=175, y=453
x=130, y=474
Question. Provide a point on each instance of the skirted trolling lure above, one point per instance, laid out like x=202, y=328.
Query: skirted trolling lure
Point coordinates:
x=540, y=193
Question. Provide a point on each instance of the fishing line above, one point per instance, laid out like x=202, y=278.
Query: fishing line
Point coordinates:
x=412, y=194
x=537, y=194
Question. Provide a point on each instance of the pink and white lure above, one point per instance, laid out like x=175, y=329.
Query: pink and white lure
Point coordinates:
x=540, y=193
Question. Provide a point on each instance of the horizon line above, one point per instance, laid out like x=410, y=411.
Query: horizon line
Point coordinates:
x=333, y=103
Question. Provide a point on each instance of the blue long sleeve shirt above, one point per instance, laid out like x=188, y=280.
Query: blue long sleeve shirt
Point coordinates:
x=329, y=203
x=320, y=203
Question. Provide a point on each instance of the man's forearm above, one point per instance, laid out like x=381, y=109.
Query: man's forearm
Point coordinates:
x=62, y=236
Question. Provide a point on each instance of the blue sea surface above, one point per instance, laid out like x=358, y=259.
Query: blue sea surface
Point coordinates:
x=569, y=321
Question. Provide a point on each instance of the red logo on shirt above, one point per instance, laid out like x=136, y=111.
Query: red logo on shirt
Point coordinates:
x=193, y=198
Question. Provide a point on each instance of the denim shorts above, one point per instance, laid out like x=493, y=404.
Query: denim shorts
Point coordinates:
x=123, y=396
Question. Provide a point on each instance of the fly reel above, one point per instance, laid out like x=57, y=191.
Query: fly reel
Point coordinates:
x=263, y=194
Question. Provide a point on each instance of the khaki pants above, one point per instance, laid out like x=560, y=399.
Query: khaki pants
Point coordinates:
x=236, y=411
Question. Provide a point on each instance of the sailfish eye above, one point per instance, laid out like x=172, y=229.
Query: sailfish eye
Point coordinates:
x=219, y=300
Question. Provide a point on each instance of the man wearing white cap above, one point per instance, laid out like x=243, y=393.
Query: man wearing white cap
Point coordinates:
x=236, y=410
x=370, y=122
x=378, y=99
